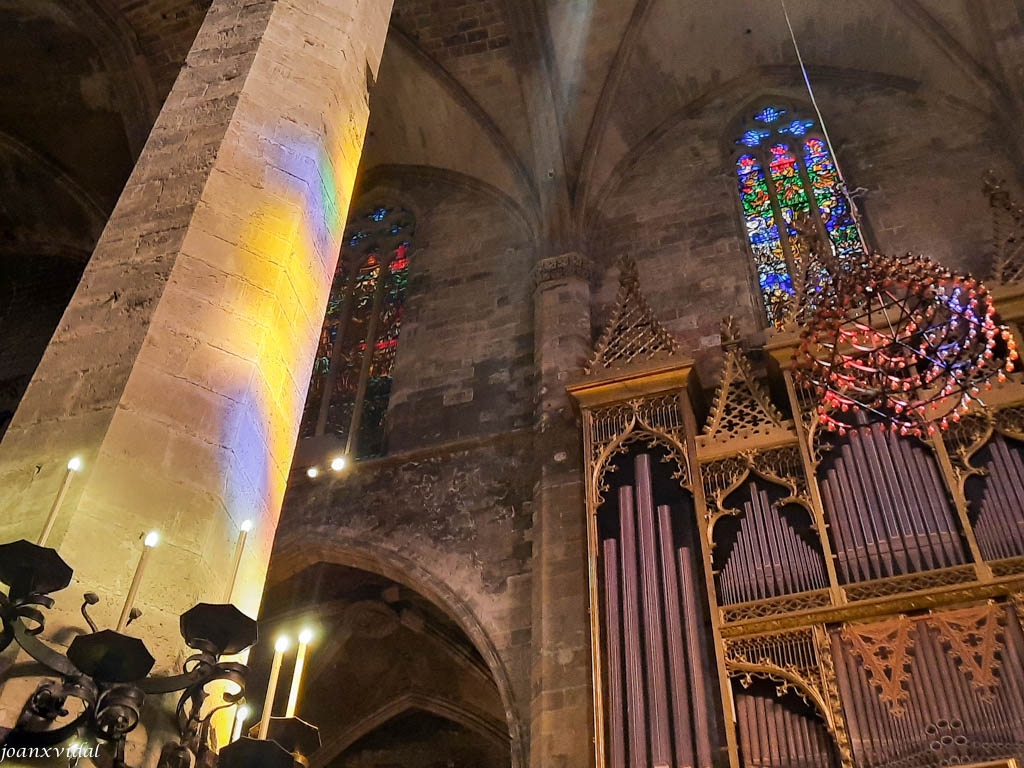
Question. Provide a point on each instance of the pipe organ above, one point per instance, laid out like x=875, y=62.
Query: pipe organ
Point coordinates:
x=653, y=612
x=887, y=507
x=767, y=595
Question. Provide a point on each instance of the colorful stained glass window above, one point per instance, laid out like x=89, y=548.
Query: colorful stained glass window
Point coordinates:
x=787, y=171
x=769, y=258
x=754, y=137
x=378, y=386
x=833, y=204
x=351, y=383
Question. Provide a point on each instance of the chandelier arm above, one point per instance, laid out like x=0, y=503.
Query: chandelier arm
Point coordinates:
x=41, y=652
x=171, y=683
x=19, y=737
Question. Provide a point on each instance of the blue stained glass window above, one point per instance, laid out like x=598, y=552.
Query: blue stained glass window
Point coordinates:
x=753, y=137
x=797, y=127
x=769, y=114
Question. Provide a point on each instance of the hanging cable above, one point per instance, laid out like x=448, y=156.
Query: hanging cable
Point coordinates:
x=824, y=130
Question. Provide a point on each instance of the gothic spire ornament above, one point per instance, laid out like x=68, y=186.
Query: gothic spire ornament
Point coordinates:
x=1007, y=232
x=633, y=332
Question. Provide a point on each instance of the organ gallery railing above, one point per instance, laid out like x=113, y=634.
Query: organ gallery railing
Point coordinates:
x=767, y=594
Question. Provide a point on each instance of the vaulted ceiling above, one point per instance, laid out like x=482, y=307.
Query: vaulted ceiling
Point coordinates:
x=546, y=100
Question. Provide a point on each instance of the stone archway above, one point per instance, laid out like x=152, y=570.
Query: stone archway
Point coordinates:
x=374, y=608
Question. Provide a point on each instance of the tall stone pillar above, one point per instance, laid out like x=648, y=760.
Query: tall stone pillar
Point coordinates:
x=561, y=730
x=179, y=370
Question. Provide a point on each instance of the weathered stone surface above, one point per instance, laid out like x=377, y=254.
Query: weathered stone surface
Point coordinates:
x=560, y=713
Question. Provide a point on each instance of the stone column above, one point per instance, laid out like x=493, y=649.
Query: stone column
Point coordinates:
x=179, y=370
x=561, y=730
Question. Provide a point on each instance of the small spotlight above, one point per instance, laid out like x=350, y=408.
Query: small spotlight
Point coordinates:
x=244, y=712
x=338, y=463
x=312, y=472
x=281, y=644
x=306, y=636
x=152, y=539
x=75, y=464
x=247, y=526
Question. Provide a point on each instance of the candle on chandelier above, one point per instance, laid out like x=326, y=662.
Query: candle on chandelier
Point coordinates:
x=74, y=465
x=152, y=539
x=275, y=673
x=241, y=715
x=239, y=547
x=305, y=637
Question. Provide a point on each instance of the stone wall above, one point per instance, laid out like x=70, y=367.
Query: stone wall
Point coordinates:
x=465, y=357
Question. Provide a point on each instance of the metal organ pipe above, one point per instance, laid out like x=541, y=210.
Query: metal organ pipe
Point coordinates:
x=908, y=482
x=772, y=735
x=946, y=716
x=659, y=702
x=892, y=500
x=677, y=662
x=654, y=634
x=862, y=487
x=871, y=556
x=692, y=622
x=888, y=508
x=631, y=628
x=613, y=640
x=846, y=550
x=768, y=557
x=869, y=475
x=942, y=525
x=843, y=520
x=1000, y=523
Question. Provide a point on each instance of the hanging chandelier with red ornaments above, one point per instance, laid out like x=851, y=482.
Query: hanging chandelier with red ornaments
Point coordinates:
x=897, y=339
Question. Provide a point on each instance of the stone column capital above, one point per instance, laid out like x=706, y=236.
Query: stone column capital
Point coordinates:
x=562, y=266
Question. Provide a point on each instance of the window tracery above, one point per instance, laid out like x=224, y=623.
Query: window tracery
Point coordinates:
x=352, y=374
x=785, y=171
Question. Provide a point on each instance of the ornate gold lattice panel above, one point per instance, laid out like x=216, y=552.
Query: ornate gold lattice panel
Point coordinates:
x=742, y=414
x=655, y=421
x=782, y=466
x=798, y=660
x=632, y=333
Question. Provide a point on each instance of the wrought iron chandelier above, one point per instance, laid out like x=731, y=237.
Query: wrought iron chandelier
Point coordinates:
x=97, y=689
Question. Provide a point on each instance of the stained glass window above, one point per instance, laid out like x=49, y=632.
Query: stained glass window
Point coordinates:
x=801, y=178
x=351, y=382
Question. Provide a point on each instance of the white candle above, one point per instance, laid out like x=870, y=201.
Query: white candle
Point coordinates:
x=275, y=672
x=305, y=636
x=241, y=715
x=152, y=539
x=245, y=528
x=73, y=466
